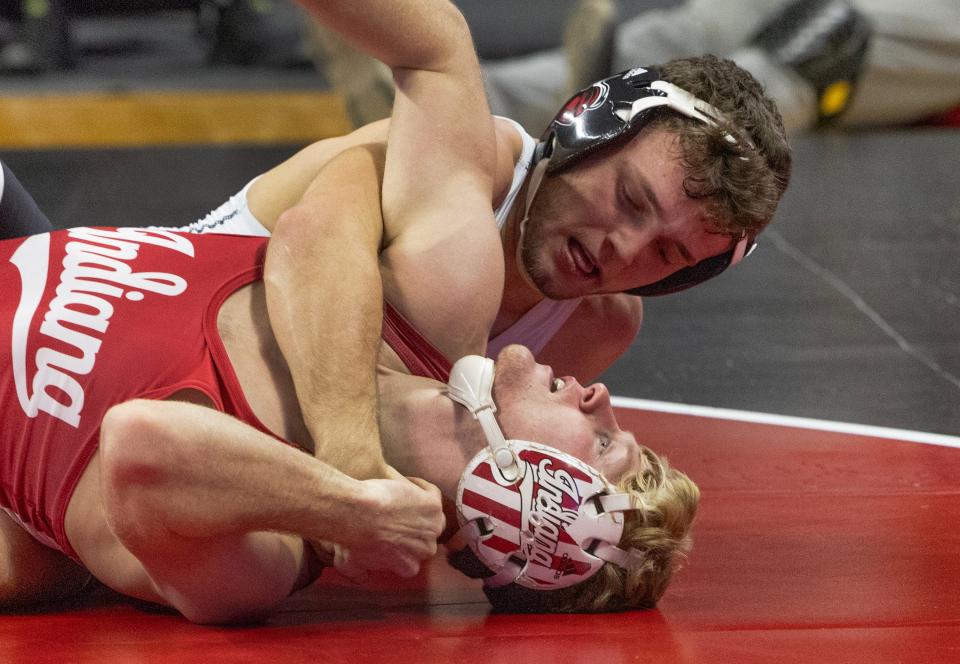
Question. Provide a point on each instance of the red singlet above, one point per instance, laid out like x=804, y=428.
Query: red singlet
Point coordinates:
x=93, y=317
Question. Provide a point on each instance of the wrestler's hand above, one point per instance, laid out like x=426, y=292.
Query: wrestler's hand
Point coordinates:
x=399, y=529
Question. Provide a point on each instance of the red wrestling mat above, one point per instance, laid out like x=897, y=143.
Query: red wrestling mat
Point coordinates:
x=811, y=545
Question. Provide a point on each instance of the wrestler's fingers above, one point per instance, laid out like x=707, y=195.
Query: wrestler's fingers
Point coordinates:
x=406, y=567
x=425, y=485
x=394, y=474
x=440, y=520
x=347, y=565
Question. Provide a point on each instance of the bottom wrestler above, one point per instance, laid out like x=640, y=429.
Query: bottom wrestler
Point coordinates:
x=153, y=435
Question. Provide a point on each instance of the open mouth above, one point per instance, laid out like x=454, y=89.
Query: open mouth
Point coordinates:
x=553, y=383
x=582, y=260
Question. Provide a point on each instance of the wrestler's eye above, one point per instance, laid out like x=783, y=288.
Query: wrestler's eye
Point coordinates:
x=557, y=385
x=604, y=442
x=633, y=205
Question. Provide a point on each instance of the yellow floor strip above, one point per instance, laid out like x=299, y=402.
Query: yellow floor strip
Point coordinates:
x=167, y=118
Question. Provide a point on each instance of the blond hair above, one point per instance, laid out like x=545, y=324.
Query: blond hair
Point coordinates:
x=659, y=529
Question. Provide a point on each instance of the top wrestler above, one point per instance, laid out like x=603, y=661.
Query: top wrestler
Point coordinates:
x=109, y=462
x=659, y=203
x=635, y=186
x=610, y=218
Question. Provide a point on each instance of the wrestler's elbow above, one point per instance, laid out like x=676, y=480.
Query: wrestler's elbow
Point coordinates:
x=129, y=432
x=438, y=43
x=341, y=203
x=458, y=40
x=295, y=226
x=131, y=461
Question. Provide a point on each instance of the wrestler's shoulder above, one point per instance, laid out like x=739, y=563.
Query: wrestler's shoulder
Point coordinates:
x=509, y=136
x=618, y=312
x=610, y=322
x=601, y=329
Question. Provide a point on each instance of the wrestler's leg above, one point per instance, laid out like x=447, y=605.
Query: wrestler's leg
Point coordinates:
x=31, y=573
x=178, y=518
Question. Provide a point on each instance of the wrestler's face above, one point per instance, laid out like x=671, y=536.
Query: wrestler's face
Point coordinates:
x=617, y=221
x=575, y=419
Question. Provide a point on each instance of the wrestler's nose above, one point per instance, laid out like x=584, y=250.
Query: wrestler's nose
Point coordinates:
x=629, y=243
x=594, y=398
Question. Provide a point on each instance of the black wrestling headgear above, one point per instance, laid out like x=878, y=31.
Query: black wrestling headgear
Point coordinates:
x=617, y=107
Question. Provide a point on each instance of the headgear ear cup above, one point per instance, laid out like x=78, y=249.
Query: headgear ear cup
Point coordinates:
x=691, y=276
x=613, y=108
x=527, y=522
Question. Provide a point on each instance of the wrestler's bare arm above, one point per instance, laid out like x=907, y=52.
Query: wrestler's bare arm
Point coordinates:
x=325, y=303
x=443, y=260
x=323, y=289
x=282, y=187
x=193, y=508
x=411, y=34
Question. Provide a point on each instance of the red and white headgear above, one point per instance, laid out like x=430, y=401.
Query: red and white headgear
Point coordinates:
x=534, y=515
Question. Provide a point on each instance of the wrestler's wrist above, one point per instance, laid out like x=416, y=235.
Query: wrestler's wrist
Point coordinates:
x=368, y=502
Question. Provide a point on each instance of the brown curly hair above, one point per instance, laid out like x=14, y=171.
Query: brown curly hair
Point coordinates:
x=743, y=182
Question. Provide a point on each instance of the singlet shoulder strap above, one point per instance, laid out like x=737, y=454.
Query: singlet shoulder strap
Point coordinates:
x=419, y=355
x=520, y=170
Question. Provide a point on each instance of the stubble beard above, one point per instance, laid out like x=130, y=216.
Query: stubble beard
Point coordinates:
x=535, y=261
x=531, y=257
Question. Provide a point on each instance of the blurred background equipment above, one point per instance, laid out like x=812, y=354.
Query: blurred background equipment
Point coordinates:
x=850, y=62
x=37, y=34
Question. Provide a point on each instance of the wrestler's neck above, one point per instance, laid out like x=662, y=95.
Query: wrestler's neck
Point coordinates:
x=519, y=295
x=424, y=433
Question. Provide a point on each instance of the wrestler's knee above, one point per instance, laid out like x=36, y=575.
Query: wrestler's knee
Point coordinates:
x=12, y=593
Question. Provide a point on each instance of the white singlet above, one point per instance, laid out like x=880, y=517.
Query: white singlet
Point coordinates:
x=534, y=329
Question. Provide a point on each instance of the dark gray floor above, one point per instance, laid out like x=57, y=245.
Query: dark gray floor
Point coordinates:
x=849, y=309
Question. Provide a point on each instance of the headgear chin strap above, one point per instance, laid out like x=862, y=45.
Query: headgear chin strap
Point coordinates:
x=534, y=515
x=613, y=108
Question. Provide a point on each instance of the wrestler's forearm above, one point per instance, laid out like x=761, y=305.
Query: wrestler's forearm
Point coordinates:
x=325, y=302
x=177, y=477
x=199, y=473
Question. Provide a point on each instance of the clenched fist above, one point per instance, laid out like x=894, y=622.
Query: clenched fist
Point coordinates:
x=397, y=530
